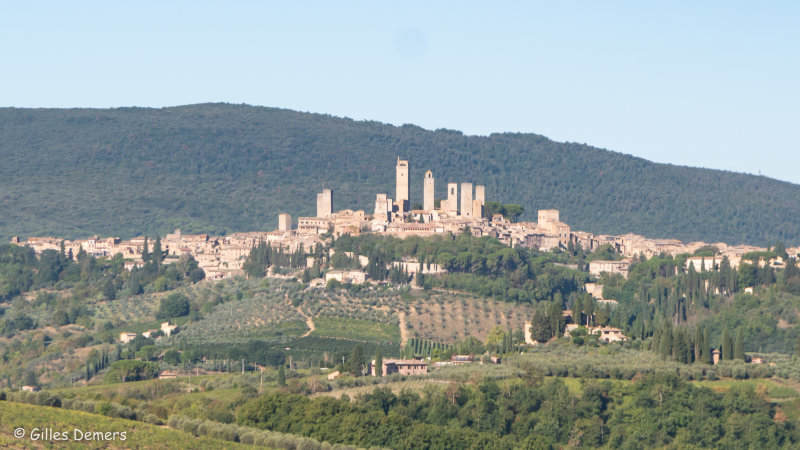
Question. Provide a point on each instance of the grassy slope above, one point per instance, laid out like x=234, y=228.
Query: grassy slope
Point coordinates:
x=222, y=167
x=138, y=434
x=356, y=329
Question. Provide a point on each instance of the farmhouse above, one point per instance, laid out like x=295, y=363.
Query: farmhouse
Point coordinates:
x=346, y=276
x=401, y=366
x=620, y=267
x=609, y=334
x=127, y=337
x=168, y=329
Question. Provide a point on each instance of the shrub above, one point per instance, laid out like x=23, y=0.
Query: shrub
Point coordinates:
x=176, y=305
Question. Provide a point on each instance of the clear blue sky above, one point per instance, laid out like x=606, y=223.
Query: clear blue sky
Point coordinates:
x=708, y=84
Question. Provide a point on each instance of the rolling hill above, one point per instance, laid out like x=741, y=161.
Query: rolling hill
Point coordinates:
x=219, y=168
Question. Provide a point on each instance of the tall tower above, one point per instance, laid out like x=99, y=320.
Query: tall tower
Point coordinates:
x=452, y=198
x=402, y=196
x=383, y=206
x=478, y=202
x=427, y=194
x=325, y=203
x=466, y=199
x=284, y=222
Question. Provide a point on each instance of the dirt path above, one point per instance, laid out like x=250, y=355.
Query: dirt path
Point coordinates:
x=401, y=315
x=309, y=322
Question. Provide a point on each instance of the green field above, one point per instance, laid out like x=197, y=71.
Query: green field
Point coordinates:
x=137, y=434
x=774, y=389
x=355, y=329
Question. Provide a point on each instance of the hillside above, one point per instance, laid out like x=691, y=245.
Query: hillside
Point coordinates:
x=218, y=168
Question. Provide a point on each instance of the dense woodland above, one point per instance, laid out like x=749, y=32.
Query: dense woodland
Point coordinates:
x=219, y=168
x=651, y=412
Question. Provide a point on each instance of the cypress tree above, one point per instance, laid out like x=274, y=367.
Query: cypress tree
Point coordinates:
x=577, y=307
x=665, y=346
x=158, y=255
x=281, y=376
x=378, y=363
x=357, y=360
x=738, y=348
x=655, y=343
x=698, y=344
x=677, y=344
x=145, y=251
x=727, y=347
x=707, y=357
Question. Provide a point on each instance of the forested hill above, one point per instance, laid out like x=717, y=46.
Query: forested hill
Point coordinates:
x=221, y=168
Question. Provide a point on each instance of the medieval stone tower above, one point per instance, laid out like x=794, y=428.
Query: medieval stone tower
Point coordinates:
x=402, y=196
x=452, y=199
x=466, y=199
x=478, y=202
x=284, y=222
x=325, y=203
x=427, y=194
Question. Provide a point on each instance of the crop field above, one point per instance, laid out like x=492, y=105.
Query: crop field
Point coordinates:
x=435, y=315
x=356, y=329
x=314, y=346
x=451, y=317
x=376, y=304
x=254, y=312
x=128, y=309
x=774, y=389
x=270, y=308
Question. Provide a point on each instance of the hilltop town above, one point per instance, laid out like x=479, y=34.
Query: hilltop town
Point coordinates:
x=463, y=209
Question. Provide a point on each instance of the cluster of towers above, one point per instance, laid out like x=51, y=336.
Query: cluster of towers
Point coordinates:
x=470, y=205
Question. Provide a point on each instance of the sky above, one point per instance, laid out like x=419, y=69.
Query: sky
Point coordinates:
x=705, y=84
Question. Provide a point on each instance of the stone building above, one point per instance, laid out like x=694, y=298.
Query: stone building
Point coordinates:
x=466, y=200
x=401, y=366
x=346, y=276
x=383, y=208
x=450, y=205
x=284, y=222
x=325, y=203
x=402, y=186
x=478, y=202
x=620, y=267
x=427, y=192
x=703, y=263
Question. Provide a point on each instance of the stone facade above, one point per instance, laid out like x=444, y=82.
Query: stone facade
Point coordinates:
x=427, y=192
x=401, y=366
x=466, y=200
x=619, y=267
x=451, y=206
x=284, y=222
x=402, y=186
x=325, y=203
